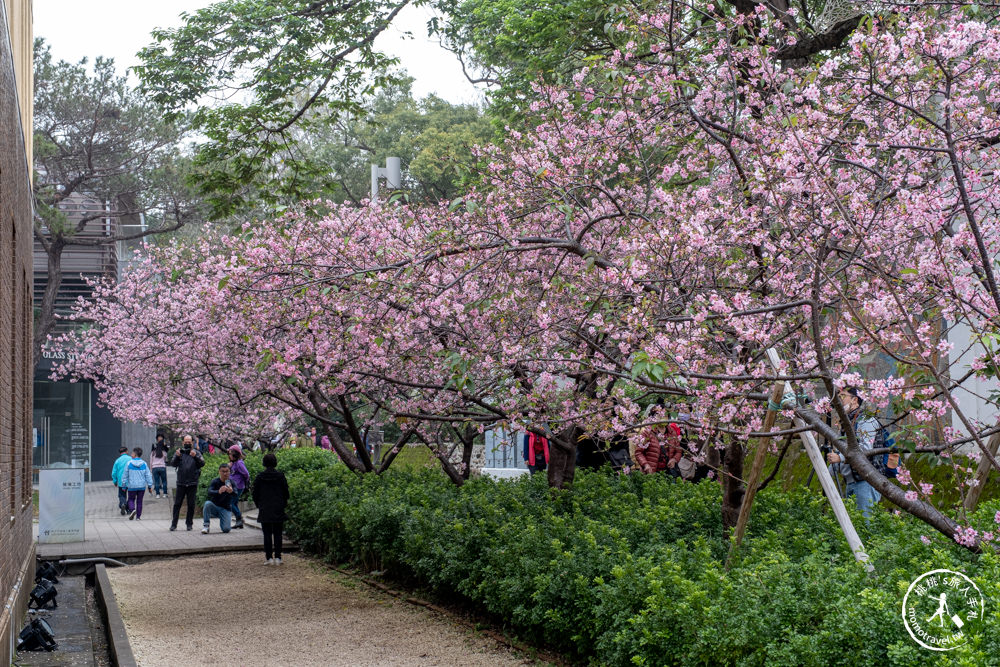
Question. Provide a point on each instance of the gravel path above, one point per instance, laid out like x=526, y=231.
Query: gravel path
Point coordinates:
x=178, y=612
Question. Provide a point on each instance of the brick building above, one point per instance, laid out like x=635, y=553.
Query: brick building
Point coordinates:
x=16, y=544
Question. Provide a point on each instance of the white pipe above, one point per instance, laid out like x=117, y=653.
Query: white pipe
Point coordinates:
x=823, y=473
x=393, y=173
x=97, y=559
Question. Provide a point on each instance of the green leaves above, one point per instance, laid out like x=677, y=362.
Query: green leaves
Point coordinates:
x=654, y=370
x=516, y=43
x=262, y=73
x=265, y=361
x=629, y=570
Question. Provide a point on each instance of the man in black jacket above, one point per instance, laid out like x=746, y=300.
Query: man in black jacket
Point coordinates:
x=270, y=494
x=188, y=461
x=221, y=494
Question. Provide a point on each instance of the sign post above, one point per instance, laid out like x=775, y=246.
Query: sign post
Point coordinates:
x=60, y=505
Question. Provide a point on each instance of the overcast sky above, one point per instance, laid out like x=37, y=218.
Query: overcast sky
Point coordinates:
x=119, y=28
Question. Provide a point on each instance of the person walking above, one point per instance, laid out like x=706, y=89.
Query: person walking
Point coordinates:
x=188, y=461
x=220, y=501
x=116, y=478
x=137, y=478
x=240, y=478
x=158, y=465
x=270, y=494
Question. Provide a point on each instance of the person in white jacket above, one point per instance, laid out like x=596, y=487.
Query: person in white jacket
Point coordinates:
x=136, y=478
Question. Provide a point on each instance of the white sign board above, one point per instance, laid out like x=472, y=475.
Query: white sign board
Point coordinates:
x=60, y=505
x=504, y=473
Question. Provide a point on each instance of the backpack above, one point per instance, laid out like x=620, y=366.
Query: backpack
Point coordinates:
x=881, y=461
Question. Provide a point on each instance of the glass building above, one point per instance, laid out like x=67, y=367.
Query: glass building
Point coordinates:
x=69, y=428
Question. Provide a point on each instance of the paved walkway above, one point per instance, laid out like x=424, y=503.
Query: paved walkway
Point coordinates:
x=107, y=533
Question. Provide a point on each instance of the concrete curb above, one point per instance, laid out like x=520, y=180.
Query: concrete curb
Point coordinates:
x=121, y=650
x=155, y=553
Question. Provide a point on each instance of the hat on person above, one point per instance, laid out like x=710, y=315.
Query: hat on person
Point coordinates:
x=237, y=448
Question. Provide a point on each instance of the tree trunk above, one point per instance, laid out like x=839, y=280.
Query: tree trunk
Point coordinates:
x=713, y=458
x=562, y=460
x=732, y=483
x=468, y=439
x=47, y=310
x=392, y=453
x=449, y=469
x=982, y=474
x=756, y=469
x=340, y=447
x=360, y=446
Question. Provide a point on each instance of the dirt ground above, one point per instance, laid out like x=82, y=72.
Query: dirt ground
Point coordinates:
x=232, y=610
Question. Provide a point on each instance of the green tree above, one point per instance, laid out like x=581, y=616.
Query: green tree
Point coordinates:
x=511, y=44
x=432, y=137
x=98, y=140
x=261, y=75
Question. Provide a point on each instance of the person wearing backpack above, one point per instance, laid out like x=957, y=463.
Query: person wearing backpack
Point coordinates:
x=116, y=478
x=136, y=478
x=867, y=430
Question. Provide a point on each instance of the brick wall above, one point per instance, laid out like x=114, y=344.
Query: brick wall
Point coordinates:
x=16, y=543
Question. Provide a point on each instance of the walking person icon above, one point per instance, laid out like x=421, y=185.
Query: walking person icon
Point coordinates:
x=953, y=623
x=942, y=610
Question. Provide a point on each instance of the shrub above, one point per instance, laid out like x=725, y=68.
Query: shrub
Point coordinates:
x=631, y=571
x=289, y=460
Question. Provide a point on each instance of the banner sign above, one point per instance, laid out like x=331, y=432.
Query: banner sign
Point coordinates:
x=60, y=505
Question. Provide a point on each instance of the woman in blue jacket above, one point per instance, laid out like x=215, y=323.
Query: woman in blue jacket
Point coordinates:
x=136, y=478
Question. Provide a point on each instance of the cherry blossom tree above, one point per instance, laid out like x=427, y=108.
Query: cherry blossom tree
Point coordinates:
x=669, y=220
x=718, y=204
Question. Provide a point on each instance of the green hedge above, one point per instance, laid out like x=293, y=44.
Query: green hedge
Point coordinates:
x=289, y=460
x=630, y=571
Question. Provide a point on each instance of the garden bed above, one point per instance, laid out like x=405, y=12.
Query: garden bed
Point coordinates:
x=625, y=571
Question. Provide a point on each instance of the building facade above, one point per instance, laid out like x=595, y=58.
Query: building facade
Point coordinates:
x=70, y=428
x=16, y=544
